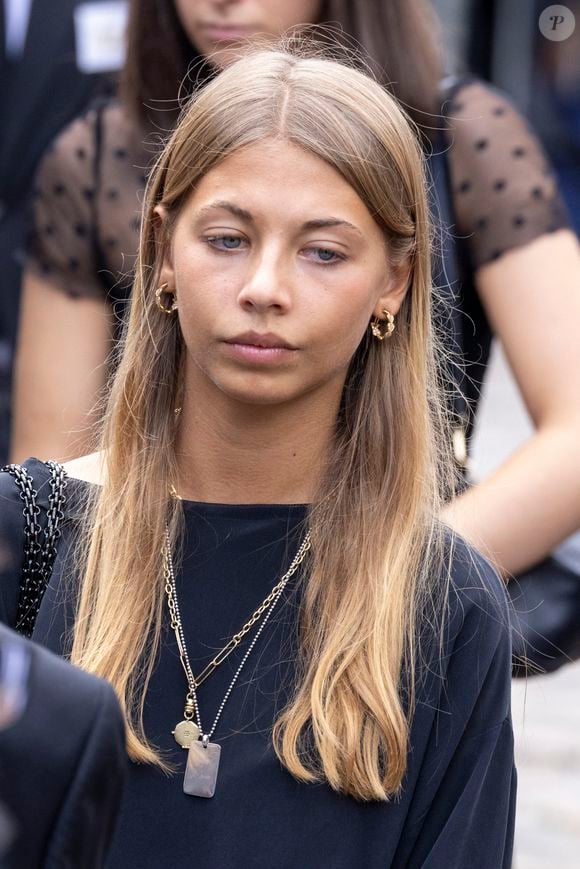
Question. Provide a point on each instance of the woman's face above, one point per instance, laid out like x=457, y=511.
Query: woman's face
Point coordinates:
x=278, y=267
x=216, y=27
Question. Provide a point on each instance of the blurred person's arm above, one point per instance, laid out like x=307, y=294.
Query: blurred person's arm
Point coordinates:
x=65, y=326
x=519, y=513
x=60, y=367
x=526, y=267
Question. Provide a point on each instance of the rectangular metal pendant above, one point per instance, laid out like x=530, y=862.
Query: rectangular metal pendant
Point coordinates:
x=202, y=769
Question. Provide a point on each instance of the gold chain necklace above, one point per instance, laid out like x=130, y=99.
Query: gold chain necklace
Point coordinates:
x=227, y=650
x=203, y=758
x=221, y=656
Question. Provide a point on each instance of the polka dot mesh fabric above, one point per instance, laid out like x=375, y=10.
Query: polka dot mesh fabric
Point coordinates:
x=504, y=191
x=89, y=191
x=87, y=202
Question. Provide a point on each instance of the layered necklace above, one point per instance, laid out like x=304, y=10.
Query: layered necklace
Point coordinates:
x=204, y=756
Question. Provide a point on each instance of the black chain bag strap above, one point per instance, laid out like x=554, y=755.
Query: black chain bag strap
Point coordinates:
x=41, y=535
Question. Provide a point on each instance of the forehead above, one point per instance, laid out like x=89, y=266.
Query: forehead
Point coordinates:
x=279, y=177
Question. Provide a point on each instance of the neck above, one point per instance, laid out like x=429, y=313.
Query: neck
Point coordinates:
x=233, y=453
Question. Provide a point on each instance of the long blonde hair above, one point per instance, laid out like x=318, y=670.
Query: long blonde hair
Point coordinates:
x=377, y=546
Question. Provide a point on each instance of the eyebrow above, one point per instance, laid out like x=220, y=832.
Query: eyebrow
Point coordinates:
x=244, y=214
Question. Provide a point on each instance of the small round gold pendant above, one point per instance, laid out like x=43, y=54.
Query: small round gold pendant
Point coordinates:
x=185, y=733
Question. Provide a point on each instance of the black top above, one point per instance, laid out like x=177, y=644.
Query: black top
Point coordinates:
x=457, y=804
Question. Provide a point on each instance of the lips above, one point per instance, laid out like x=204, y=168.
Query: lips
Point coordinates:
x=226, y=32
x=268, y=340
x=255, y=349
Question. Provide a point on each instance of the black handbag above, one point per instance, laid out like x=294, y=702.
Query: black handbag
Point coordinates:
x=42, y=529
x=545, y=600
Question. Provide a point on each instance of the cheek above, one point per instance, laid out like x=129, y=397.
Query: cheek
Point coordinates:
x=339, y=322
x=202, y=309
x=201, y=295
x=189, y=13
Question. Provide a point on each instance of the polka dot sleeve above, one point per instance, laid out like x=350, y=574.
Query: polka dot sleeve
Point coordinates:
x=62, y=248
x=504, y=191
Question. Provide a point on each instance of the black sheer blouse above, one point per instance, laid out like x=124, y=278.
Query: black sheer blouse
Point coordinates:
x=87, y=205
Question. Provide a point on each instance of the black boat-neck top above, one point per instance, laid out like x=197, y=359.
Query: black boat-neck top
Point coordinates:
x=456, y=808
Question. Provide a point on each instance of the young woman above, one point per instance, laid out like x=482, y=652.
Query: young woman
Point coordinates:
x=321, y=668
x=518, y=252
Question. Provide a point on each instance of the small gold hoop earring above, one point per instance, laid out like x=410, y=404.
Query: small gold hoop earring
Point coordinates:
x=161, y=291
x=379, y=329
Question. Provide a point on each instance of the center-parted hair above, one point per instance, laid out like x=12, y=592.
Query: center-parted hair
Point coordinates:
x=378, y=549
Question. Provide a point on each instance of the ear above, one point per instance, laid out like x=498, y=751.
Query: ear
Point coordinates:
x=392, y=299
x=163, y=242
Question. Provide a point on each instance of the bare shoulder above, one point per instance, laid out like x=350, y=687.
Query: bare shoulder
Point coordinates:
x=89, y=468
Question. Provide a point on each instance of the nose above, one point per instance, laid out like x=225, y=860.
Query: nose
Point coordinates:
x=267, y=286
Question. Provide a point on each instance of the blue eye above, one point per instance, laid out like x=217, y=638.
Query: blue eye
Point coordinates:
x=326, y=256
x=225, y=242
x=230, y=242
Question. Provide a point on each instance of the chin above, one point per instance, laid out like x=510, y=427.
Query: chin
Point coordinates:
x=259, y=397
x=260, y=391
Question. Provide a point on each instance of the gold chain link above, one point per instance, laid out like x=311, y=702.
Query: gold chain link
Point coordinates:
x=237, y=638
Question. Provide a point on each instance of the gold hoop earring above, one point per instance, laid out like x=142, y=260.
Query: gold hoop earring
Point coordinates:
x=160, y=291
x=379, y=329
